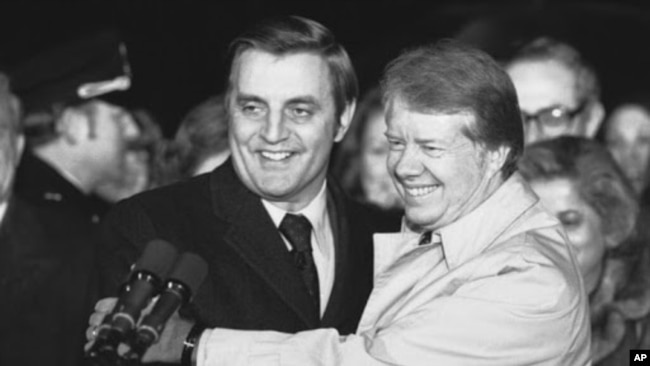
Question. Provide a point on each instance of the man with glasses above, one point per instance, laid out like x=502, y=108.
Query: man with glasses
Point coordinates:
x=558, y=91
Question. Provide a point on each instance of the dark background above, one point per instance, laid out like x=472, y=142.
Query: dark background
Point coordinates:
x=177, y=48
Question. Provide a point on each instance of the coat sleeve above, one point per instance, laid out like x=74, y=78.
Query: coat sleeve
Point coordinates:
x=322, y=347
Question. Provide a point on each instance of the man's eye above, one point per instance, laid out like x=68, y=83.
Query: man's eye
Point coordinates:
x=297, y=112
x=432, y=150
x=252, y=109
x=395, y=145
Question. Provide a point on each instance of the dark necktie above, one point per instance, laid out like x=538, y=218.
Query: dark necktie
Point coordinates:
x=297, y=230
x=425, y=238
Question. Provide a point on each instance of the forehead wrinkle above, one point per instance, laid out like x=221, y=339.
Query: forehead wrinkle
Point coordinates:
x=305, y=99
x=244, y=97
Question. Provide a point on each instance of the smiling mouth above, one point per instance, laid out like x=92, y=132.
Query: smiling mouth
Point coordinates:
x=276, y=156
x=421, y=191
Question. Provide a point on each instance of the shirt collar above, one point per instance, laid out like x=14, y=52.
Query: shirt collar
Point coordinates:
x=315, y=211
x=486, y=222
x=67, y=175
x=424, y=238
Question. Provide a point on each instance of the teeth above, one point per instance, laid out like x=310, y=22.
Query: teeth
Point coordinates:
x=420, y=191
x=277, y=156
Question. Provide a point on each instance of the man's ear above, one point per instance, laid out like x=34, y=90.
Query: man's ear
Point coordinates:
x=73, y=126
x=594, y=119
x=345, y=120
x=497, y=158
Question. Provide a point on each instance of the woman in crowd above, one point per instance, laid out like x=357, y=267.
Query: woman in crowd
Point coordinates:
x=360, y=160
x=627, y=136
x=579, y=181
x=201, y=141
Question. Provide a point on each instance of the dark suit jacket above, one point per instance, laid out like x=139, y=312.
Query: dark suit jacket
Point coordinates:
x=46, y=287
x=51, y=233
x=252, y=283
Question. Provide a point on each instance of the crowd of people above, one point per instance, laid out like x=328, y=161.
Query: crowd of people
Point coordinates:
x=463, y=211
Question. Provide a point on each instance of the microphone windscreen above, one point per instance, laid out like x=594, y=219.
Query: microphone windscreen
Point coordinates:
x=190, y=269
x=158, y=258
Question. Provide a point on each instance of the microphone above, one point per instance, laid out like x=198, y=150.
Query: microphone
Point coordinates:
x=143, y=283
x=186, y=277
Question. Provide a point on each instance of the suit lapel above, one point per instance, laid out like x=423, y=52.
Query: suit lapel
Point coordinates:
x=340, y=230
x=253, y=235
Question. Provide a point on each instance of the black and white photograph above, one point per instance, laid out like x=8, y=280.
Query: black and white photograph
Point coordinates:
x=326, y=183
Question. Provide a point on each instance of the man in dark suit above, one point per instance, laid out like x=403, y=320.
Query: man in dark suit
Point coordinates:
x=291, y=95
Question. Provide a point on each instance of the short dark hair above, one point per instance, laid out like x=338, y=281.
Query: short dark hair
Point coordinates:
x=598, y=179
x=449, y=77
x=548, y=49
x=293, y=34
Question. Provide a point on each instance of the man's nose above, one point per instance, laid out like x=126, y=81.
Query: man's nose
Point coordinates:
x=409, y=163
x=532, y=133
x=274, y=129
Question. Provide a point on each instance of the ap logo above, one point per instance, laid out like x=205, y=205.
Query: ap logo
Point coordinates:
x=639, y=357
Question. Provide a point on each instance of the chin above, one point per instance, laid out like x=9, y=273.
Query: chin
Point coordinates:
x=417, y=218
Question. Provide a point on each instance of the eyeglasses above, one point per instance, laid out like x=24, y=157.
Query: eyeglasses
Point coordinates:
x=554, y=116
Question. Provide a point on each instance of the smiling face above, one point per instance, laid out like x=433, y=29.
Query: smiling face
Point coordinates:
x=628, y=139
x=581, y=223
x=439, y=172
x=283, y=125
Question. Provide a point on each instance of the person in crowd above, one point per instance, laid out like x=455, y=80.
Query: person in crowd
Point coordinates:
x=14, y=280
x=286, y=249
x=627, y=136
x=581, y=184
x=41, y=310
x=558, y=91
x=142, y=154
x=201, y=141
x=360, y=159
x=480, y=274
x=76, y=136
x=75, y=142
x=11, y=138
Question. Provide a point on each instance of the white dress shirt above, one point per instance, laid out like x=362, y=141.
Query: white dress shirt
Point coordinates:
x=500, y=287
x=322, y=240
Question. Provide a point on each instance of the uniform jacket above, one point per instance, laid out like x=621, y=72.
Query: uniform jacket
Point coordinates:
x=47, y=287
x=41, y=185
x=53, y=233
